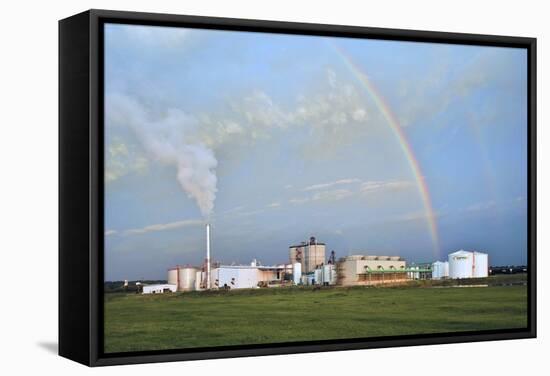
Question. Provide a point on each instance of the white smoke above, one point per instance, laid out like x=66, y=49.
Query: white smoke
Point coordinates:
x=170, y=138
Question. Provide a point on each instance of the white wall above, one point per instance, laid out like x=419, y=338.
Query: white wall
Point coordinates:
x=28, y=165
x=245, y=278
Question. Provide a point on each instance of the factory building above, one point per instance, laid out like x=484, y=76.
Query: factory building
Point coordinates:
x=309, y=254
x=324, y=275
x=440, y=270
x=158, y=289
x=244, y=276
x=370, y=269
x=466, y=264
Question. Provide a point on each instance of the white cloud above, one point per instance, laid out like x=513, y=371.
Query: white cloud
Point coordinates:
x=319, y=192
x=274, y=205
x=122, y=160
x=299, y=200
x=164, y=226
x=378, y=186
x=331, y=184
x=110, y=232
x=332, y=195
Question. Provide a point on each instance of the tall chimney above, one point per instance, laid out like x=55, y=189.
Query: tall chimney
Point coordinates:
x=208, y=256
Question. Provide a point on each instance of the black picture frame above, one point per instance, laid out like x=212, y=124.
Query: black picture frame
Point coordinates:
x=81, y=185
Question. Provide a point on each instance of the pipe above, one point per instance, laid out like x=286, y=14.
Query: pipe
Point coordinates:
x=178, y=277
x=208, y=256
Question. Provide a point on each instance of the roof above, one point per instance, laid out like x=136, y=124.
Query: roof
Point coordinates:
x=262, y=267
x=464, y=253
x=160, y=285
x=461, y=252
x=304, y=245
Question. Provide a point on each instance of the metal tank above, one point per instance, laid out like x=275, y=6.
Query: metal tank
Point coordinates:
x=297, y=273
x=187, y=278
x=318, y=276
x=461, y=264
x=183, y=277
x=198, y=280
x=481, y=264
x=173, y=275
x=440, y=269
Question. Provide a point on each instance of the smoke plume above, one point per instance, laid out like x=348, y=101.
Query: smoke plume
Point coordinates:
x=171, y=138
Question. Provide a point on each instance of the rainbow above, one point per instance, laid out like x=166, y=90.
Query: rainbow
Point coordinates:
x=401, y=137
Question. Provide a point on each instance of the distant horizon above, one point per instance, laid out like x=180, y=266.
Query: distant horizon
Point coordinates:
x=383, y=147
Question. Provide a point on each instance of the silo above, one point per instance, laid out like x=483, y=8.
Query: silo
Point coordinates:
x=329, y=274
x=461, y=264
x=297, y=273
x=318, y=276
x=440, y=269
x=198, y=280
x=183, y=277
x=188, y=275
x=173, y=275
x=326, y=274
x=481, y=264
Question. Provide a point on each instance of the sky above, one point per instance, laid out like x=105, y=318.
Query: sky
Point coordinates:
x=373, y=147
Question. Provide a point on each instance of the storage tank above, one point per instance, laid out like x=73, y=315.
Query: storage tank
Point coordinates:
x=329, y=274
x=187, y=278
x=183, y=277
x=440, y=269
x=296, y=273
x=481, y=264
x=318, y=276
x=461, y=264
x=198, y=280
x=173, y=275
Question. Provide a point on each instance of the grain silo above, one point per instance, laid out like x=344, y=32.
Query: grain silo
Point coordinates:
x=183, y=277
x=310, y=254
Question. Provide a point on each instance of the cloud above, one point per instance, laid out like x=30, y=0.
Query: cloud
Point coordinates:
x=165, y=226
x=332, y=195
x=331, y=184
x=110, y=232
x=274, y=205
x=299, y=200
x=333, y=112
x=319, y=192
x=378, y=186
x=122, y=160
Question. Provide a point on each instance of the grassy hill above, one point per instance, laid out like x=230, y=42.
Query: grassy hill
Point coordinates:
x=217, y=318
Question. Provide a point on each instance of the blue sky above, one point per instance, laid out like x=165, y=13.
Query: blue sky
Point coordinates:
x=272, y=139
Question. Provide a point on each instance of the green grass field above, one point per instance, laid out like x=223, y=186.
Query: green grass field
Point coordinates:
x=171, y=321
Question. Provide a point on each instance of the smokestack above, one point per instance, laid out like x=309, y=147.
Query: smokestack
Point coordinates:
x=208, y=256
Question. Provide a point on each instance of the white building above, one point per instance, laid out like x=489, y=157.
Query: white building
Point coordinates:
x=159, y=289
x=248, y=276
x=465, y=264
x=440, y=269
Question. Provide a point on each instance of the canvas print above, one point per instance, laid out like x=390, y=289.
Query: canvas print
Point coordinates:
x=264, y=188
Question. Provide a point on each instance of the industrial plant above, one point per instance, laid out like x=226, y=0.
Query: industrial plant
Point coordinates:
x=308, y=265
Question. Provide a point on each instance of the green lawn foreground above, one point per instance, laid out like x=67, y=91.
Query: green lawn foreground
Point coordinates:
x=185, y=320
